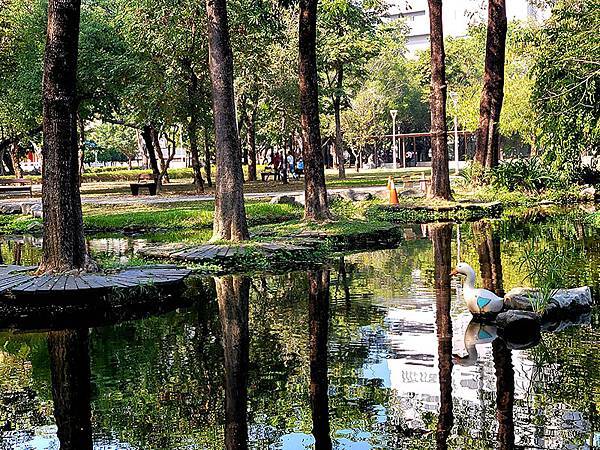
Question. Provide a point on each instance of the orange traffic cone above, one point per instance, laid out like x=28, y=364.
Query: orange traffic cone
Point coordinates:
x=393, y=193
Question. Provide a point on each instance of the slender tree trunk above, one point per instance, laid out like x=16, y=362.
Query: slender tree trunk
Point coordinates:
x=441, y=237
x=440, y=176
x=193, y=125
x=318, y=319
x=251, y=132
x=230, y=215
x=81, y=124
x=197, y=170
x=232, y=295
x=487, y=150
x=149, y=143
x=64, y=242
x=71, y=389
x=15, y=159
x=315, y=205
x=163, y=173
x=207, y=168
x=339, y=143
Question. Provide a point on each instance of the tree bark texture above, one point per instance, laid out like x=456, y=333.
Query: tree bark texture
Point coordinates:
x=337, y=100
x=318, y=319
x=163, y=173
x=441, y=237
x=230, y=215
x=251, y=133
x=64, y=242
x=440, y=176
x=490, y=259
x=315, y=206
x=71, y=390
x=505, y=394
x=487, y=150
x=232, y=294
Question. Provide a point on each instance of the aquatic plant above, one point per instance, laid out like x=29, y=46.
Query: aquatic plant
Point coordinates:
x=547, y=269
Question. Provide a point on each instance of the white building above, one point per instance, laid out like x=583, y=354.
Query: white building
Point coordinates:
x=458, y=15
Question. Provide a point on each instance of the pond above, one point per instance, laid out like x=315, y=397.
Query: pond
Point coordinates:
x=373, y=351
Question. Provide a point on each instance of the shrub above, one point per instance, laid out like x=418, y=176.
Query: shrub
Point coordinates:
x=528, y=174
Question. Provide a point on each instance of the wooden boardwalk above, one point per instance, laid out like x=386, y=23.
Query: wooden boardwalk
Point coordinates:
x=208, y=252
x=18, y=280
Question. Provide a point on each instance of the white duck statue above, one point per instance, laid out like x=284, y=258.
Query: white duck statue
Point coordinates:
x=479, y=301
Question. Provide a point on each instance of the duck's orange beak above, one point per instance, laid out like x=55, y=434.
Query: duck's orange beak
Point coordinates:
x=454, y=272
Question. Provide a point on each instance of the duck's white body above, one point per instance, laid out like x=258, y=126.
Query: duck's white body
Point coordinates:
x=479, y=301
x=476, y=334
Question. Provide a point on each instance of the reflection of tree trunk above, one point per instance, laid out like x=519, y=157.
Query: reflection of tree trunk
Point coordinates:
x=318, y=317
x=441, y=237
x=232, y=294
x=505, y=394
x=343, y=276
x=70, y=368
x=490, y=260
x=17, y=253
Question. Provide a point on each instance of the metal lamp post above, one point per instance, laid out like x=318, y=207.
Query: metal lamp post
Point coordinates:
x=394, y=113
x=454, y=97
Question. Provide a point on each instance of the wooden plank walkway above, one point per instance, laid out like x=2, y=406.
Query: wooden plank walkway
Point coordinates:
x=17, y=280
x=208, y=252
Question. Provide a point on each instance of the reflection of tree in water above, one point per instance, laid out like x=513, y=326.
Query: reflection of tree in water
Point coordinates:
x=71, y=391
x=505, y=394
x=441, y=237
x=490, y=259
x=232, y=295
x=318, y=313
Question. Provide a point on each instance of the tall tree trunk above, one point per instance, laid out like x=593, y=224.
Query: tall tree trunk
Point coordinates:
x=505, y=394
x=149, y=143
x=251, y=133
x=207, y=157
x=487, y=150
x=318, y=319
x=315, y=205
x=64, y=241
x=337, y=100
x=230, y=215
x=15, y=159
x=71, y=389
x=232, y=295
x=441, y=237
x=440, y=176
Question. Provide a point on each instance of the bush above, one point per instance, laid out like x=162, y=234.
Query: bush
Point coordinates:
x=587, y=175
x=528, y=174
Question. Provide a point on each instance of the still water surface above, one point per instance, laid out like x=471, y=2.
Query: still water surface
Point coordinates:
x=375, y=351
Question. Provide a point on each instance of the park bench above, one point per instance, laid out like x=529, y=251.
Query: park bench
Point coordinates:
x=268, y=172
x=16, y=185
x=144, y=180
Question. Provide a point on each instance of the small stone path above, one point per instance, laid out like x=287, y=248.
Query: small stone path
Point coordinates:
x=207, y=252
x=17, y=280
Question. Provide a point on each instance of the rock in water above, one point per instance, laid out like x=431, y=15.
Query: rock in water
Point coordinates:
x=519, y=328
x=564, y=301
